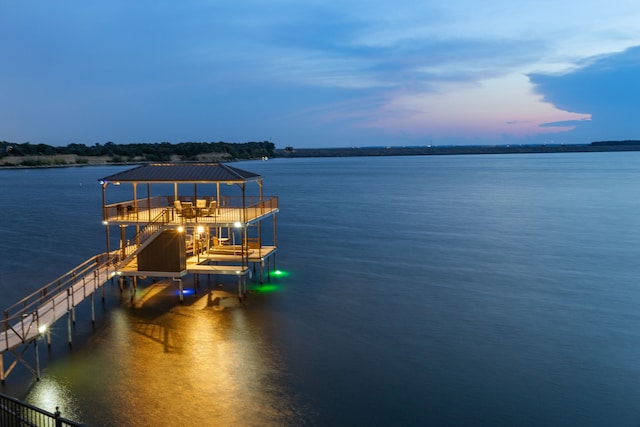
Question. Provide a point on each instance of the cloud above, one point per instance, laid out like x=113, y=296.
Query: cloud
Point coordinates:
x=607, y=87
x=565, y=123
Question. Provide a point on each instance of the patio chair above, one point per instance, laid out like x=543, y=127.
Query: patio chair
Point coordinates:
x=211, y=210
x=177, y=205
x=187, y=210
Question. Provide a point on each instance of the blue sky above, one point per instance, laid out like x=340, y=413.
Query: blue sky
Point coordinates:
x=319, y=73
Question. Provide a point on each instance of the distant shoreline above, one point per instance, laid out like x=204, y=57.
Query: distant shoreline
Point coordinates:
x=55, y=161
x=595, y=147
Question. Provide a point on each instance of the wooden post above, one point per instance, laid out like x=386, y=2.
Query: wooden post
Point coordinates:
x=93, y=310
x=69, y=326
x=123, y=243
x=73, y=305
x=134, y=287
x=35, y=348
x=269, y=269
x=261, y=273
x=244, y=285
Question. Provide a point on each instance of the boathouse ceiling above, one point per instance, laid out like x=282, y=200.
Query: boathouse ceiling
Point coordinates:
x=183, y=172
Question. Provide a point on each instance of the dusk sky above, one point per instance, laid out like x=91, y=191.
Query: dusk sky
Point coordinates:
x=320, y=73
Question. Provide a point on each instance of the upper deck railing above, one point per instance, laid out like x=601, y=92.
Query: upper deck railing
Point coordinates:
x=229, y=209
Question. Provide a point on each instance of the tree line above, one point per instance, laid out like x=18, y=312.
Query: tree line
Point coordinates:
x=138, y=152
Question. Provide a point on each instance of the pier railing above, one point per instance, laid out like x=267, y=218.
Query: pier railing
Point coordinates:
x=14, y=412
x=24, y=320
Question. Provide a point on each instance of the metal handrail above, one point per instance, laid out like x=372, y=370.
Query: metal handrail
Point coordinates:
x=145, y=233
x=28, y=303
x=24, y=316
x=14, y=412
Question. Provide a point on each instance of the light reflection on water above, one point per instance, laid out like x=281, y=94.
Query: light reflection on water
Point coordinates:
x=168, y=364
x=50, y=393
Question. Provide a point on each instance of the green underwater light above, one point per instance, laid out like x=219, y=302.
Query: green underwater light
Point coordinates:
x=280, y=273
x=267, y=288
x=270, y=287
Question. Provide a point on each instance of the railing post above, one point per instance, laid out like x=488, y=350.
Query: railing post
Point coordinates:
x=57, y=417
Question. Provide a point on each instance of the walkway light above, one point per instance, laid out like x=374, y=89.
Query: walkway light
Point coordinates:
x=180, y=229
x=237, y=224
x=200, y=229
x=42, y=329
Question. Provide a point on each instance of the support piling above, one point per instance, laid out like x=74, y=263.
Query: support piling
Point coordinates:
x=35, y=348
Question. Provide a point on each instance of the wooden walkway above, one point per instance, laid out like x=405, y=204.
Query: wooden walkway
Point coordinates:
x=31, y=317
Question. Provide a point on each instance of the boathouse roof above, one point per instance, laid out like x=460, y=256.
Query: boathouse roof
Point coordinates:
x=183, y=172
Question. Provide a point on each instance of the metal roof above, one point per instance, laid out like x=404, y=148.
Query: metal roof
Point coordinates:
x=183, y=172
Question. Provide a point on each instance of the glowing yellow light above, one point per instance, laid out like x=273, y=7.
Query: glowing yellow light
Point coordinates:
x=180, y=229
x=237, y=224
x=200, y=229
x=105, y=222
x=42, y=329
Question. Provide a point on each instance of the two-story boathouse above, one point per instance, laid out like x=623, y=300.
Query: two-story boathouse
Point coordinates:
x=160, y=220
x=183, y=219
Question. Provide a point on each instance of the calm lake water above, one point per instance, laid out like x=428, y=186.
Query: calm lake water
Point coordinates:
x=495, y=290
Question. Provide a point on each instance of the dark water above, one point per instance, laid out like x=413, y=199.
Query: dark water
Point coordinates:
x=462, y=290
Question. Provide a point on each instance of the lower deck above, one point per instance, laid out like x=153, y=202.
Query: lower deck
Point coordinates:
x=226, y=260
